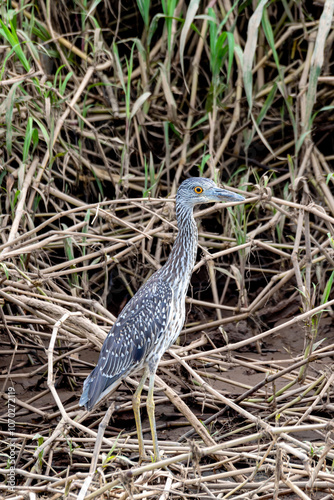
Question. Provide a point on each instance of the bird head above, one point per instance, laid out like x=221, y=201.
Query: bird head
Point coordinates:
x=198, y=190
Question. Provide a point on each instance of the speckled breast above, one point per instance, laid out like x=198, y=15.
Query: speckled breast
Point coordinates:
x=174, y=326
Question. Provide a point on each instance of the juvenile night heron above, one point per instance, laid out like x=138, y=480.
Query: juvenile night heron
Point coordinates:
x=152, y=320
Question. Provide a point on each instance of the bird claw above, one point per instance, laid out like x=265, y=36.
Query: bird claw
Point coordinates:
x=143, y=458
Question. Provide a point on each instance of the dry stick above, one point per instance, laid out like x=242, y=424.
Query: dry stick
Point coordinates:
x=23, y=404
x=141, y=482
x=90, y=331
x=217, y=255
x=278, y=472
x=242, y=343
x=22, y=198
x=99, y=139
x=318, y=398
x=319, y=177
x=96, y=452
x=295, y=489
x=308, y=255
x=222, y=486
x=80, y=207
x=225, y=475
x=282, y=278
x=309, y=208
x=278, y=151
x=306, y=158
x=307, y=295
x=203, y=303
x=265, y=227
x=251, y=391
x=259, y=301
x=47, y=319
x=286, y=35
x=321, y=460
x=299, y=454
x=206, y=451
x=43, y=240
x=65, y=417
x=6, y=254
x=192, y=105
x=155, y=214
x=61, y=39
x=302, y=86
x=60, y=430
x=225, y=400
x=14, y=341
x=48, y=272
x=124, y=223
x=266, y=246
x=256, y=470
x=60, y=123
x=100, y=253
x=47, y=13
x=31, y=74
x=235, y=116
x=294, y=257
x=288, y=79
x=185, y=410
x=50, y=381
x=192, y=419
x=213, y=282
x=239, y=86
x=83, y=305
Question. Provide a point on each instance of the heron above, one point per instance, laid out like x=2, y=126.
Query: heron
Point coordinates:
x=152, y=320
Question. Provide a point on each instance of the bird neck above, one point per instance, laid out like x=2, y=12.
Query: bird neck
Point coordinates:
x=182, y=258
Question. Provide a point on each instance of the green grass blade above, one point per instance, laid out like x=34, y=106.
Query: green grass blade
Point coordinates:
x=62, y=87
x=27, y=140
x=13, y=40
x=328, y=289
x=231, y=43
x=43, y=130
x=144, y=9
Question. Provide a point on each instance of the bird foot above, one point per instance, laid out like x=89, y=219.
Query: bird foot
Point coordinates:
x=143, y=458
x=148, y=458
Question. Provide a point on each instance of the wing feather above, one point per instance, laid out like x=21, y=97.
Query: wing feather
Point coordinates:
x=137, y=330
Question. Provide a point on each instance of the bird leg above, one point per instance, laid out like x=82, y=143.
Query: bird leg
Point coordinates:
x=136, y=411
x=150, y=410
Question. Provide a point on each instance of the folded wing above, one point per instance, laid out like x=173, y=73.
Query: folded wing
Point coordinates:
x=136, y=332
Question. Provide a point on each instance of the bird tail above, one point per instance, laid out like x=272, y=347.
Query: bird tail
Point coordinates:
x=86, y=400
x=95, y=387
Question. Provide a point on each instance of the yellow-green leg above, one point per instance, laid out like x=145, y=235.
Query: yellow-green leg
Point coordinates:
x=150, y=410
x=136, y=411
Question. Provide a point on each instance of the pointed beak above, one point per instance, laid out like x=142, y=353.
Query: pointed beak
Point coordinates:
x=217, y=194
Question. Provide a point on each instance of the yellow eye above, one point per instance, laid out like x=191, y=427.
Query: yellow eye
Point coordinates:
x=198, y=190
